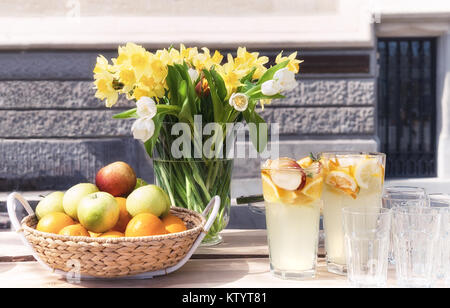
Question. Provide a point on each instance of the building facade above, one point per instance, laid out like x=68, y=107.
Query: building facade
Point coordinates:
x=55, y=133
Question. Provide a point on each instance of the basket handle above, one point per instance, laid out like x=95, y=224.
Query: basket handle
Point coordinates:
x=11, y=206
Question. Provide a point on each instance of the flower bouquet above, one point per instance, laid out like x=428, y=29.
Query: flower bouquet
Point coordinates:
x=187, y=102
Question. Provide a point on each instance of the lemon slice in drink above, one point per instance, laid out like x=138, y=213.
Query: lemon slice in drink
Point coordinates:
x=270, y=191
x=313, y=189
x=342, y=181
x=368, y=173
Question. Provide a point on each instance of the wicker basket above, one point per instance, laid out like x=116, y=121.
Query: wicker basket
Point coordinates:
x=141, y=257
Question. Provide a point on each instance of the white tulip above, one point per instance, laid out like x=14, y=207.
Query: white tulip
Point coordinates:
x=238, y=101
x=286, y=79
x=193, y=74
x=270, y=87
x=143, y=128
x=146, y=107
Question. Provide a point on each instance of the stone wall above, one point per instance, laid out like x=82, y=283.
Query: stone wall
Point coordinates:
x=55, y=133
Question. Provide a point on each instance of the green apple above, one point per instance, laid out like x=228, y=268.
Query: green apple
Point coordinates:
x=51, y=203
x=148, y=199
x=98, y=212
x=73, y=196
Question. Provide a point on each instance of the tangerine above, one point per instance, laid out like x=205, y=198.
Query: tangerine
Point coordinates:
x=124, y=216
x=74, y=230
x=173, y=224
x=112, y=234
x=54, y=222
x=145, y=224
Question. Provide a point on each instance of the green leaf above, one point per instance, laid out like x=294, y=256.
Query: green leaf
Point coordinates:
x=253, y=117
x=268, y=75
x=217, y=102
x=182, y=90
x=173, y=80
x=248, y=77
x=220, y=84
x=150, y=144
x=131, y=113
x=259, y=95
x=190, y=89
x=185, y=114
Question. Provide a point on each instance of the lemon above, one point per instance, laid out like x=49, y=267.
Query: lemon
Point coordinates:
x=314, y=188
x=341, y=180
x=305, y=162
x=368, y=173
x=272, y=193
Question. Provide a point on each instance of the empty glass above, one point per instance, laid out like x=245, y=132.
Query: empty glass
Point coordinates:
x=415, y=232
x=367, y=236
x=395, y=196
x=442, y=202
x=404, y=195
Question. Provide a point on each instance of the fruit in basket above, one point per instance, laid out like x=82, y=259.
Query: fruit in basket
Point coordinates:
x=73, y=196
x=118, y=179
x=173, y=224
x=74, y=230
x=51, y=203
x=111, y=234
x=98, y=212
x=124, y=216
x=145, y=224
x=93, y=234
x=54, y=222
x=148, y=199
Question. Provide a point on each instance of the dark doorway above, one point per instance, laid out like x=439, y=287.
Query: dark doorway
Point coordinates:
x=407, y=106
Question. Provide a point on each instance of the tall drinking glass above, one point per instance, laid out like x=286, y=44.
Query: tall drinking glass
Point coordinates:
x=292, y=200
x=352, y=179
x=366, y=233
x=442, y=202
x=416, y=233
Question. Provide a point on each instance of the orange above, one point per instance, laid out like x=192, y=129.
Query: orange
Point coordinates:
x=173, y=224
x=112, y=234
x=145, y=224
x=124, y=216
x=273, y=193
x=305, y=162
x=74, y=230
x=93, y=234
x=54, y=222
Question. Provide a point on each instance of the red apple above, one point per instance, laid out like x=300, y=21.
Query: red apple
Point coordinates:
x=287, y=174
x=117, y=178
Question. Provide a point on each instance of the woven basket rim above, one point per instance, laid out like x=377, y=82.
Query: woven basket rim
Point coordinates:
x=26, y=221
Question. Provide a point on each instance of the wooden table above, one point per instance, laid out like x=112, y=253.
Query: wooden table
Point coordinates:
x=241, y=261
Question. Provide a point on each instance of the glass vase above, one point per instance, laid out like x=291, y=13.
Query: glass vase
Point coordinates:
x=192, y=182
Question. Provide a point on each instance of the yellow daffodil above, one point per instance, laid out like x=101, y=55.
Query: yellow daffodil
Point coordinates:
x=103, y=81
x=135, y=57
x=188, y=54
x=293, y=64
x=102, y=65
x=231, y=75
x=247, y=61
x=105, y=90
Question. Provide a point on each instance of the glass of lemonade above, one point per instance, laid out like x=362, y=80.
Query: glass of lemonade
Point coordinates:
x=351, y=179
x=292, y=191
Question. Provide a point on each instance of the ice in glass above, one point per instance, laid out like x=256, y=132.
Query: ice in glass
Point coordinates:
x=292, y=191
x=350, y=180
